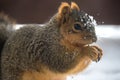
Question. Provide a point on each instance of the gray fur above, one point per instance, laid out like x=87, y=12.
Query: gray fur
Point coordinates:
x=31, y=47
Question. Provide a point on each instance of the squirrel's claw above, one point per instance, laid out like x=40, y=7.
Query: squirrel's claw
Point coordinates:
x=99, y=57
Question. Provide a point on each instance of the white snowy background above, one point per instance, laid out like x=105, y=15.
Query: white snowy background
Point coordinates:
x=108, y=68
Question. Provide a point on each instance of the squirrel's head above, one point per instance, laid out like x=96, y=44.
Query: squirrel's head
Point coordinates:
x=76, y=26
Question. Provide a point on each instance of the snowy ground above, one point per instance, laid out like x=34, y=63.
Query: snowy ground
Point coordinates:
x=109, y=66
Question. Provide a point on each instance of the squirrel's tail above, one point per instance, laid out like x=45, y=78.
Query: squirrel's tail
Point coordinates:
x=6, y=29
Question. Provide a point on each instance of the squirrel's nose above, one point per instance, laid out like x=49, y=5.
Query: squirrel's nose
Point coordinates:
x=94, y=39
x=93, y=36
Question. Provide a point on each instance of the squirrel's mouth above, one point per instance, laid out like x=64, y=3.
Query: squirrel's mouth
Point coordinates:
x=86, y=41
x=89, y=37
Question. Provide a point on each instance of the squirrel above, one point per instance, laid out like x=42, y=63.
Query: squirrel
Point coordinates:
x=53, y=51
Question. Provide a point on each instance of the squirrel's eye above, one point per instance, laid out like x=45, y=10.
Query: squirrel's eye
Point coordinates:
x=77, y=27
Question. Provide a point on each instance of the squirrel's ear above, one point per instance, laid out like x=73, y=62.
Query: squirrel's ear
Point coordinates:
x=64, y=11
x=74, y=6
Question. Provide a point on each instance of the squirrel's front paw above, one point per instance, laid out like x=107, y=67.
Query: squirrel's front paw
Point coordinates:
x=95, y=53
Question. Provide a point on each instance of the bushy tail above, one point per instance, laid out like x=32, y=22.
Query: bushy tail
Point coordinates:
x=6, y=29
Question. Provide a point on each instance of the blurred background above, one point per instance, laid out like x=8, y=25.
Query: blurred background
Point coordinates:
x=40, y=11
x=107, y=15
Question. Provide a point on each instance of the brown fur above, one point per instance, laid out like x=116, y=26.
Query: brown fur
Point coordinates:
x=74, y=6
x=47, y=75
x=52, y=51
